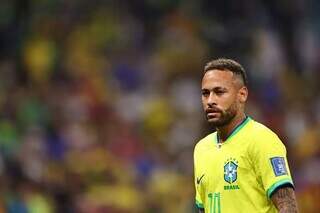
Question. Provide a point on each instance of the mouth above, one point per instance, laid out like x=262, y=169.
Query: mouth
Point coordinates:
x=212, y=112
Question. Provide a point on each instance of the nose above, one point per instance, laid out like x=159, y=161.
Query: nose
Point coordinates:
x=212, y=100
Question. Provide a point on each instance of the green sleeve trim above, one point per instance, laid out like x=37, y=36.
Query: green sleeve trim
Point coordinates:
x=199, y=205
x=277, y=184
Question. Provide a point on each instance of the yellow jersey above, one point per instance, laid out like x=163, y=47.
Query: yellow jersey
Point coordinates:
x=240, y=174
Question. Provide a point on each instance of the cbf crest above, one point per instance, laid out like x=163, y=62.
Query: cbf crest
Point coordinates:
x=230, y=170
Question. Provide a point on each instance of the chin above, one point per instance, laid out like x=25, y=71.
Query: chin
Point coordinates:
x=216, y=122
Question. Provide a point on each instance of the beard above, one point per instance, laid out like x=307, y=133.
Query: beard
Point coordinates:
x=226, y=116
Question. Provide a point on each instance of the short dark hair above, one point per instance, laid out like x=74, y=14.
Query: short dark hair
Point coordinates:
x=227, y=65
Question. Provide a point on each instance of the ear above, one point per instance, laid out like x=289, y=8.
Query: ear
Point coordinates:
x=243, y=94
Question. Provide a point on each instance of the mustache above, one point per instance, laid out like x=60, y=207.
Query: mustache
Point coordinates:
x=213, y=109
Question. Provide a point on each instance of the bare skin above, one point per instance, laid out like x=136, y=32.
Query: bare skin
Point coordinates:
x=223, y=97
x=285, y=200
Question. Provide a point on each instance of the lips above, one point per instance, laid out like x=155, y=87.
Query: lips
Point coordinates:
x=212, y=110
x=213, y=113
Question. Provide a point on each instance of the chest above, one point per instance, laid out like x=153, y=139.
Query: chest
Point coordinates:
x=226, y=168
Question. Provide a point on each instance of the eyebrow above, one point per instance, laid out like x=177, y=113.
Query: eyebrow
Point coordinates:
x=215, y=88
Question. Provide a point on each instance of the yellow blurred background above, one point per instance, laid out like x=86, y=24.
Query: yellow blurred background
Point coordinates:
x=100, y=100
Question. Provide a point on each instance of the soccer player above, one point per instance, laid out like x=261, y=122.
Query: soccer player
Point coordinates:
x=242, y=167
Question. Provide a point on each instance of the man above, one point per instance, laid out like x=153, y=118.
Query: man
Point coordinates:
x=242, y=167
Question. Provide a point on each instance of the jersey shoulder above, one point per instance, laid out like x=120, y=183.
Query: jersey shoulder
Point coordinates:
x=205, y=142
x=263, y=137
x=262, y=132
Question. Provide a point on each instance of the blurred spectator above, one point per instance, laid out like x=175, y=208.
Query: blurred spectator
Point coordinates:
x=100, y=100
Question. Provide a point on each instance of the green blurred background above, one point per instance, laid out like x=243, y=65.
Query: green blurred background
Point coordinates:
x=100, y=100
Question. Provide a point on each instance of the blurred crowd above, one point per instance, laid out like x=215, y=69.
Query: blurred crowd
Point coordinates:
x=100, y=104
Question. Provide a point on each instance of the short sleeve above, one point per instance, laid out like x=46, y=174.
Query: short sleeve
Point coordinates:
x=270, y=162
x=198, y=200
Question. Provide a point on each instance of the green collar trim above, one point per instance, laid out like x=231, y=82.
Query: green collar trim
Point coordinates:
x=235, y=130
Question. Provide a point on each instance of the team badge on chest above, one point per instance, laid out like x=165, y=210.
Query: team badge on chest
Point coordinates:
x=230, y=171
x=231, y=174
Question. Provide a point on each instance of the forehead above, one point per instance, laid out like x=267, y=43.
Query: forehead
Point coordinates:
x=218, y=78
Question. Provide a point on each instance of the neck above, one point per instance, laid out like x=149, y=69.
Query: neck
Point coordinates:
x=226, y=130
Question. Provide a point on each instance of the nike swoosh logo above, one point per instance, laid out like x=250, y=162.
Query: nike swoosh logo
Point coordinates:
x=199, y=179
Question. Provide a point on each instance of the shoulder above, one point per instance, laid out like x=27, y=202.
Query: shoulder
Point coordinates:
x=261, y=132
x=264, y=138
x=204, y=142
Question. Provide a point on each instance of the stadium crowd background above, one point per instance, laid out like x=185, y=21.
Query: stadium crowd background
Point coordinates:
x=100, y=100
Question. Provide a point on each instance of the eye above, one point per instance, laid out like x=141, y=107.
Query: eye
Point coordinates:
x=205, y=93
x=220, y=92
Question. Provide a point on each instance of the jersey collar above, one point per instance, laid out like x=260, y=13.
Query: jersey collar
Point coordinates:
x=234, y=131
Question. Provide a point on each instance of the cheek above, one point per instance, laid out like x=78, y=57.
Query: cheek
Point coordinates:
x=228, y=101
x=204, y=102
